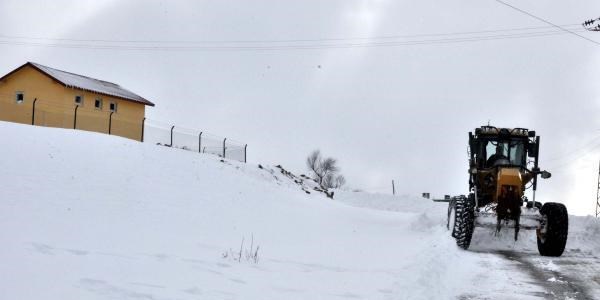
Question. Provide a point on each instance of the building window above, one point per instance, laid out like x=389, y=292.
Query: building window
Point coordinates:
x=78, y=100
x=98, y=104
x=20, y=97
x=113, y=107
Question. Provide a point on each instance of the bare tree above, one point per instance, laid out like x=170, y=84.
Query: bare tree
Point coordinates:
x=324, y=170
x=313, y=162
x=339, y=181
x=334, y=181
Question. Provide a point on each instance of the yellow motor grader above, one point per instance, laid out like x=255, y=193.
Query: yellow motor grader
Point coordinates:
x=503, y=163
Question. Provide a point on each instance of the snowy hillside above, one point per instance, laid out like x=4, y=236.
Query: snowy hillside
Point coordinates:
x=90, y=216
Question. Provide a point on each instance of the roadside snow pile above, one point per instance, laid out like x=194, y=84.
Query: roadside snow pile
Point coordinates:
x=584, y=234
x=425, y=213
x=390, y=203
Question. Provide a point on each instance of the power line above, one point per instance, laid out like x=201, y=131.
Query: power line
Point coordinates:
x=568, y=161
x=591, y=145
x=547, y=22
x=289, y=47
x=574, y=155
x=277, y=41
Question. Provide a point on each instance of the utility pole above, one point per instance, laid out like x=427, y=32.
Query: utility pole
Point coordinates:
x=598, y=194
x=592, y=25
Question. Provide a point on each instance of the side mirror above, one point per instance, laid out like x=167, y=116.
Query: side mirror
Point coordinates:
x=545, y=174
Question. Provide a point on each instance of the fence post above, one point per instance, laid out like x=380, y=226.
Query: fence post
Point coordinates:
x=143, y=124
x=110, y=122
x=200, y=142
x=225, y=139
x=245, y=153
x=75, y=117
x=33, y=112
x=172, y=127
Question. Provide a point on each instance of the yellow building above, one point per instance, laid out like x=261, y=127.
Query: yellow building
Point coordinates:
x=40, y=95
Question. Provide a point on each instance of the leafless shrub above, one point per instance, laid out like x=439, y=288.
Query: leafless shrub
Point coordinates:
x=249, y=255
x=335, y=182
x=325, y=170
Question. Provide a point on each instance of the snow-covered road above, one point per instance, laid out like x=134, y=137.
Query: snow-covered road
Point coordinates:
x=557, y=283
x=515, y=270
x=574, y=275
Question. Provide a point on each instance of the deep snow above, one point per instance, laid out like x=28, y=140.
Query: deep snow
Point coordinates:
x=90, y=216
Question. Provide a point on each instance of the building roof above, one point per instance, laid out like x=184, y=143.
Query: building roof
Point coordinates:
x=85, y=83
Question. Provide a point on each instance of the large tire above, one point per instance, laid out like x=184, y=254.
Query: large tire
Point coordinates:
x=552, y=237
x=465, y=221
x=452, y=224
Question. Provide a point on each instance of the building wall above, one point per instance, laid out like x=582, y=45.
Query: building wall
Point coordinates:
x=55, y=106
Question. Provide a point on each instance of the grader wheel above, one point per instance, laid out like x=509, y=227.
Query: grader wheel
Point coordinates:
x=554, y=229
x=463, y=222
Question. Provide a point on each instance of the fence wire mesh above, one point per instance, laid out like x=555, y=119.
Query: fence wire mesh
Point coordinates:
x=54, y=113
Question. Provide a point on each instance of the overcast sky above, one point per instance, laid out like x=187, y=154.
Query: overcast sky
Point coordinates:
x=394, y=111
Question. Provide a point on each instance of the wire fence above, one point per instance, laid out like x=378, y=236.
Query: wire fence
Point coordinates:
x=162, y=133
x=89, y=117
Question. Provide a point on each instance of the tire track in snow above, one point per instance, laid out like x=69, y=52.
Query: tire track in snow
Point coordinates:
x=557, y=284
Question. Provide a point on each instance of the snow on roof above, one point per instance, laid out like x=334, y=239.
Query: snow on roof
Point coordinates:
x=90, y=84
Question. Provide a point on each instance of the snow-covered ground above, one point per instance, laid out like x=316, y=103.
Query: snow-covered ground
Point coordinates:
x=90, y=216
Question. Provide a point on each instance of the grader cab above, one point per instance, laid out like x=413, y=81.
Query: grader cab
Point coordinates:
x=503, y=163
